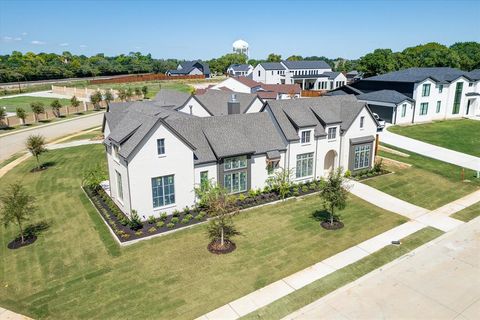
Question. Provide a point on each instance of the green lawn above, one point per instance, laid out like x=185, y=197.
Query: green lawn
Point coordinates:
x=314, y=291
x=85, y=136
x=24, y=102
x=153, y=86
x=460, y=135
x=429, y=183
x=76, y=270
x=468, y=214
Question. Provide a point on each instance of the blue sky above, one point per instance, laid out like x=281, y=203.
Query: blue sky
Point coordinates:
x=206, y=29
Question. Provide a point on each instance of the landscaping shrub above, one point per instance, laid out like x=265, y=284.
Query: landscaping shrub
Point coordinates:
x=186, y=210
x=174, y=220
x=160, y=224
x=152, y=230
x=185, y=220
x=138, y=232
x=135, y=222
x=163, y=216
x=176, y=213
x=170, y=225
x=151, y=219
x=304, y=189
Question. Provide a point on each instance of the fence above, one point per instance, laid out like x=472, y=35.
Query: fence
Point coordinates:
x=145, y=77
x=83, y=93
x=312, y=93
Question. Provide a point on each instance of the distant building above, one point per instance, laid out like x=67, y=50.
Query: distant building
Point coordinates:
x=236, y=70
x=241, y=47
x=189, y=68
x=310, y=75
x=353, y=76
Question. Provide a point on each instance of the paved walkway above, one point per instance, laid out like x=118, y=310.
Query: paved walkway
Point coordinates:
x=15, y=142
x=440, y=280
x=430, y=150
x=9, y=315
x=420, y=218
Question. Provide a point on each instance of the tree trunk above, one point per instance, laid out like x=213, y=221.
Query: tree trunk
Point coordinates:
x=331, y=215
x=38, y=162
x=221, y=238
x=21, y=230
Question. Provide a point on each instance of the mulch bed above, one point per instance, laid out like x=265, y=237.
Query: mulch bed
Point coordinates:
x=336, y=225
x=17, y=243
x=216, y=247
x=361, y=177
x=39, y=169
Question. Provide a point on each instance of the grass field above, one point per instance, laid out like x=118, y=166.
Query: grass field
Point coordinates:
x=459, y=135
x=308, y=294
x=153, y=86
x=468, y=214
x=85, y=136
x=12, y=104
x=76, y=270
x=429, y=183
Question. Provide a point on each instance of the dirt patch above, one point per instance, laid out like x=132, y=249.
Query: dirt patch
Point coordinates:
x=393, y=151
x=216, y=247
x=17, y=243
x=336, y=225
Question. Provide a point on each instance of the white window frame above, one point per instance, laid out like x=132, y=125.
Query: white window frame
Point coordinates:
x=163, y=195
x=235, y=163
x=160, y=154
x=332, y=133
x=115, y=150
x=118, y=179
x=304, y=171
x=307, y=138
x=362, y=122
x=362, y=155
x=237, y=186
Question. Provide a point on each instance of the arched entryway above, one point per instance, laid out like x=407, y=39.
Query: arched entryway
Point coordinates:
x=330, y=161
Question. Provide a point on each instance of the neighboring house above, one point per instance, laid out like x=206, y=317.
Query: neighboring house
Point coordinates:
x=353, y=76
x=157, y=156
x=390, y=105
x=239, y=84
x=236, y=70
x=220, y=102
x=190, y=68
x=435, y=93
x=310, y=75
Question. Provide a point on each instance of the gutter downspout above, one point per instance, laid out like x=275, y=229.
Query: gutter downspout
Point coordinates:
x=413, y=115
x=316, y=155
x=340, y=149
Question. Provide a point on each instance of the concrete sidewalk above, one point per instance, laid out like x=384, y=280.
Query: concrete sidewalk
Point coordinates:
x=430, y=150
x=9, y=315
x=439, y=280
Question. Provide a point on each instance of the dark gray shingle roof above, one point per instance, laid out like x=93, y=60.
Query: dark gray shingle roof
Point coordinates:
x=474, y=74
x=306, y=64
x=215, y=101
x=292, y=114
x=440, y=74
x=390, y=96
x=167, y=97
x=239, y=67
x=272, y=66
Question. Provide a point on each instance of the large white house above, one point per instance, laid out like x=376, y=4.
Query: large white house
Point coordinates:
x=310, y=75
x=157, y=155
x=420, y=94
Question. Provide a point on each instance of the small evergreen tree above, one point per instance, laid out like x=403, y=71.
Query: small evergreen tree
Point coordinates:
x=16, y=206
x=36, y=145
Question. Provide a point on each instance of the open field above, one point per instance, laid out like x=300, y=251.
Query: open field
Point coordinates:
x=429, y=183
x=459, y=135
x=12, y=104
x=76, y=270
x=300, y=298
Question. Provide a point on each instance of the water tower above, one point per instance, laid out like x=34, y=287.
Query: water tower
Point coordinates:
x=240, y=46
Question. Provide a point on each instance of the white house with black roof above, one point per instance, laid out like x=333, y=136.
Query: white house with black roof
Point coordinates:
x=239, y=70
x=191, y=68
x=310, y=75
x=420, y=94
x=157, y=155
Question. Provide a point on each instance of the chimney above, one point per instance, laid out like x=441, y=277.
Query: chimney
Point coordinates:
x=233, y=105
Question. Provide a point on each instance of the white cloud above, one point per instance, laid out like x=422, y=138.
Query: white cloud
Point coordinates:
x=37, y=42
x=65, y=44
x=24, y=34
x=83, y=46
x=17, y=39
x=7, y=38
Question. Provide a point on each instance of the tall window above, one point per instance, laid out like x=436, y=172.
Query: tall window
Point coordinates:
x=305, y=136
x=362, y=156
x=458, y=98
x=203, y=178
x=423, y=108
x=235, y=163
x=440, y=88
x=439, y=106
x=161, y=146
x=404, y=110
x=426, y=90
x=362, y=122
x=332, y=133
x=259, y=73
x=163, y=191
x=235, y=181
x=119, y=185
x=304, y=165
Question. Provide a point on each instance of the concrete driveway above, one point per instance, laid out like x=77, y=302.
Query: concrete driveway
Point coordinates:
x=430, y=150
x=15, y=142
x=440, y=280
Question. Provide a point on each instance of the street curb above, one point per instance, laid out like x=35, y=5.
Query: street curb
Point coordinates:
x=50, y=124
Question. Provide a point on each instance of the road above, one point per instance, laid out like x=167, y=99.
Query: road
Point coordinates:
x=14, y=143
x=440, y=280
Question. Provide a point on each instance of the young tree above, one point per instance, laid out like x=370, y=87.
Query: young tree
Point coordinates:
x=334, y=193
x=108, y=97
x=221, y=206
x=129, y=94
x=144, y=91
x=3, y=116
x=21, y=114
x=95, y=99
x=16, y=205
x=93, y=177
x=75, y=103
x=37, y=108
x=56, y=105
x=36, y=145
x=138, y=92
x=281, y=181
x=122, y=94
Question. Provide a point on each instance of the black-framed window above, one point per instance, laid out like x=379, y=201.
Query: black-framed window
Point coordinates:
x=404, y=110
x=362, y=156
x=439, y=106
x=362, y=122
x=426, y=89
x=203, y=178
x=163, y=191
x=235, y=182
x=160, y=146
x=458, y=98
x=423, y=108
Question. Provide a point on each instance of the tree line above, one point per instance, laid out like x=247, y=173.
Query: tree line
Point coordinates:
x=30, y=66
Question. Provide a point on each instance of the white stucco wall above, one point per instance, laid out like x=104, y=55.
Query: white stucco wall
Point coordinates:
x=408, y=112
x=233, y=85
x=120, y=166
x=196, y=108
x=147, y=164
x=256, y=106
x=212, y=172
